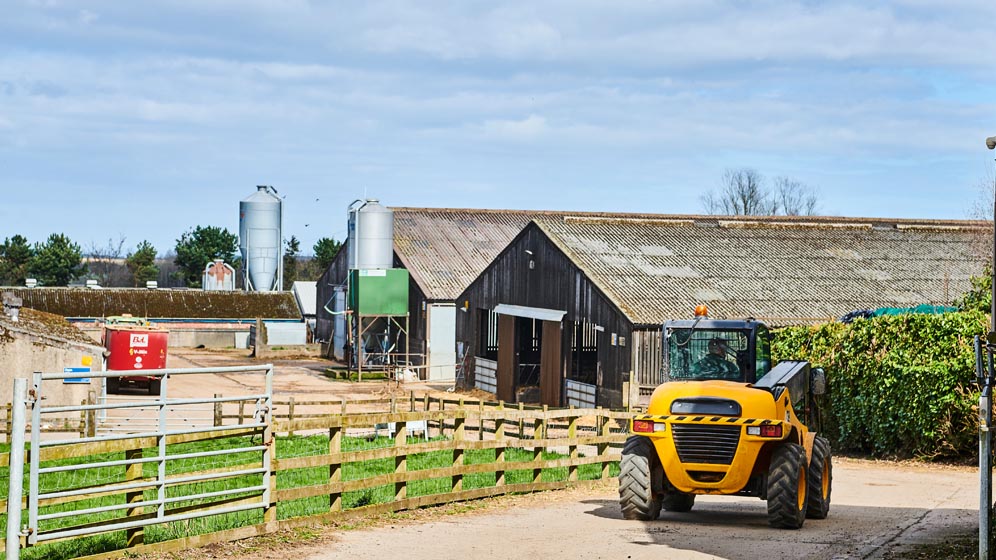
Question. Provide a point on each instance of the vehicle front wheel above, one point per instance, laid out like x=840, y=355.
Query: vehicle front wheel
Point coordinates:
x=637, y=469
x=787, y=487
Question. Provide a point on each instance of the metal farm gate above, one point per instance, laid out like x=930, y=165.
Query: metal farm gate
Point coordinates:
x=155, y=469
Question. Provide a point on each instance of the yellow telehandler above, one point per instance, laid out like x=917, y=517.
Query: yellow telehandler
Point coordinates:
x=726, y=422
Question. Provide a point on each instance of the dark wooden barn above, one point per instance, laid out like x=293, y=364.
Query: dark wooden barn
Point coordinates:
x=573, y=306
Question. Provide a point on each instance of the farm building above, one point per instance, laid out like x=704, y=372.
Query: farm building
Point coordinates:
x=193, y=317
x=443, y=251
x=574, y=304
x=33, y=341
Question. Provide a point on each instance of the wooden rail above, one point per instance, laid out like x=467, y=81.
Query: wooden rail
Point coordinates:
x=579, y=437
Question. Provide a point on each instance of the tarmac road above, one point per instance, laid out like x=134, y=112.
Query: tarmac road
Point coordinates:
x=876, y=508
x=879, y=509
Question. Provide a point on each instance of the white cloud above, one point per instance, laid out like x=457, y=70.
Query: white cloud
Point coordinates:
x=529, y=128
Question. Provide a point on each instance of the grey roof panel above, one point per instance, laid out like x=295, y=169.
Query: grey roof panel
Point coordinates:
x=796, y=271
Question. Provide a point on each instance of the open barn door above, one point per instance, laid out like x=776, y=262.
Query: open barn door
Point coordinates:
x=550, y=358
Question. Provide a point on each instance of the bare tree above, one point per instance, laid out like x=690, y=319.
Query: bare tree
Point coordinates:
x=106, y=264
x=982, y=209
x=744, y=192
x=741, y=193
x=795, y=198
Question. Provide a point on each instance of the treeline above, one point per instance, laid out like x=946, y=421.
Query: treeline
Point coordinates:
x=59, y=261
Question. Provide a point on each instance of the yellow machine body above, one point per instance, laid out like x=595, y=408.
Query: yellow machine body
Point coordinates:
x=750, y=453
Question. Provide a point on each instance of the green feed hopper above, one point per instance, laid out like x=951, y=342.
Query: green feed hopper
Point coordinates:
x=378, y=292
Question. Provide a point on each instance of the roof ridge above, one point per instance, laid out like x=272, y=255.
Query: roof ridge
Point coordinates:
x=581, y=214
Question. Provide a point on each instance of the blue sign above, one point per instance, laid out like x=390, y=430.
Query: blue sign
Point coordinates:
x=68, y=380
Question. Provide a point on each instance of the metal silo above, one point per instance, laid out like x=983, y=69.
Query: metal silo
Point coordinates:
x=371, y=235
x=260, y=235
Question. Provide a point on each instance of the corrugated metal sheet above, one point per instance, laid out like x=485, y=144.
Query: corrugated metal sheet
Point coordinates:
x=161, y=304
x=306, y=294
x=785, y=271
x=445, y=249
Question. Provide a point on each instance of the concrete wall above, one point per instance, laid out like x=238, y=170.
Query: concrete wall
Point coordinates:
x=188, y=335
x=23, y=353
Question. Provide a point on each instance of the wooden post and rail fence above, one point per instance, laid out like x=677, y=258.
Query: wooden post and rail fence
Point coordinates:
x=358, y=472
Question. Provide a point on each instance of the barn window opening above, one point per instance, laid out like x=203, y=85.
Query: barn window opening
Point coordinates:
x=487, y=345
x=584, y=352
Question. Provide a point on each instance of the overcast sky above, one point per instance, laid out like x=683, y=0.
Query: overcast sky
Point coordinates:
x=143, y=119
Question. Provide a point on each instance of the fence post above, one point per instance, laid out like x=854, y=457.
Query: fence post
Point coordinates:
x=335, y=468
x=17, y=416
x=218, y=418
x=522, y=422
x=539, y=433
x=572, y=434
x=480, y=427
x=458, y=433
x=400, y=461
x=603, y=447
x=242, y=412
x=290, y=415
x=91, y=415
x=133, y=472
x=425, y=401
x=500, y=450
x=269, y=495
x=82, y=421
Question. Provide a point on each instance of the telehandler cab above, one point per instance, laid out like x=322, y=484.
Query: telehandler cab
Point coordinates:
x=726, y=422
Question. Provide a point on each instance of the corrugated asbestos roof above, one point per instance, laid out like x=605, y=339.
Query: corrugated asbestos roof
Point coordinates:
x=446, y=249
x=46, y=325
x=161, y=304
x=783, y=270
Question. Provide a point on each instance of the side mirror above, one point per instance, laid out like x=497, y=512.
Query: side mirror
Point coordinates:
x=818, y=381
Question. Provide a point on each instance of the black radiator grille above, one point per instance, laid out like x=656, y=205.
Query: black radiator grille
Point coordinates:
x=706, y=443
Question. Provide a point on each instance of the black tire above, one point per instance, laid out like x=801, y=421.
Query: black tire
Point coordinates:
x=113, y=385
x=677, y=501
x=820, y=480
x=155, y=387
x=638, y=467
x=787, y=487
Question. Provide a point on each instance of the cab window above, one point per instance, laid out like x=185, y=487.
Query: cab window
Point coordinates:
x=763, y=352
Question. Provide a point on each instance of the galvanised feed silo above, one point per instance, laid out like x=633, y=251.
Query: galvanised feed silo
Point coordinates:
x=260, y=235
x=371, y=236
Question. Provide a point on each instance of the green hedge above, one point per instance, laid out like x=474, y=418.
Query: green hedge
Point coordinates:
x=898, y=385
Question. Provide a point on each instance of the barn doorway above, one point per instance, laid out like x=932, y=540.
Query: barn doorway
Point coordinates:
x=529, y=355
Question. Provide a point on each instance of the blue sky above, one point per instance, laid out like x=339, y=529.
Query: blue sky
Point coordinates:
x=143, y=119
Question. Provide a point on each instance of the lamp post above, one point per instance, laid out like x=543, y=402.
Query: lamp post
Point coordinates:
x=984, y=367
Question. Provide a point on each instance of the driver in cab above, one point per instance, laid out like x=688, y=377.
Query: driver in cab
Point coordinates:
x=714, y=365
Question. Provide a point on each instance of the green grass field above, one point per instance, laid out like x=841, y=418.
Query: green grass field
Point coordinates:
x=287, y=447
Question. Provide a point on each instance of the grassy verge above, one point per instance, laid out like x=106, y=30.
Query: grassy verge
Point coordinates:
x=296, y=446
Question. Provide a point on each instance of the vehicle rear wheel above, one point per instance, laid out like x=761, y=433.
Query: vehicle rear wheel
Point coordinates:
x=637, y=468
x=820, y=480
x=113, y=385
x=155, y=387
x=677, y=501
x=787, y=487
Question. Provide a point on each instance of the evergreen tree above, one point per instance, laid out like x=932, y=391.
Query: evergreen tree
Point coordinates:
x=291, y=251
x=142, y=264
x=201, y=245
x=57, y=261
x=325, y=252
x=15, y=256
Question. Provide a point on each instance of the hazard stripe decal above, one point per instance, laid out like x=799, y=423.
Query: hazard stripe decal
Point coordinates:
x=710, y=420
